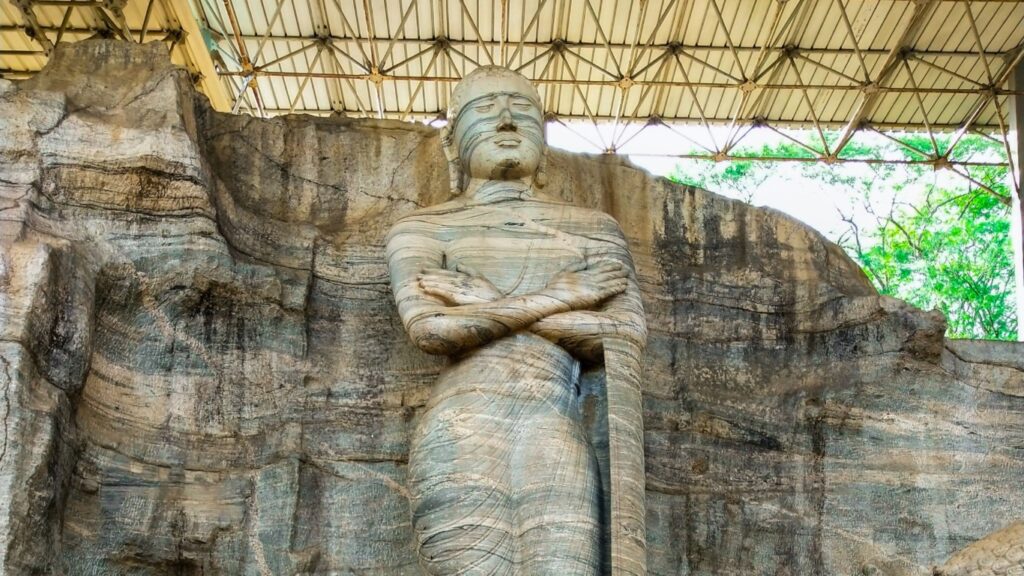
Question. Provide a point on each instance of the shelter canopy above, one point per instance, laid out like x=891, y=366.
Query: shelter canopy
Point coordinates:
x=847, y=65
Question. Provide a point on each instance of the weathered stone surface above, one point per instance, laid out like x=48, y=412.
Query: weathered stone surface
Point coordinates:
x=524, y=294
x=1000, y=553
x=204, y=372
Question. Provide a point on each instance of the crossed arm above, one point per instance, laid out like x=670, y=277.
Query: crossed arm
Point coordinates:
x=450, y=312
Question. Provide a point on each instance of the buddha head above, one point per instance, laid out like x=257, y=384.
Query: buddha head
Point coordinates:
x=495, y=128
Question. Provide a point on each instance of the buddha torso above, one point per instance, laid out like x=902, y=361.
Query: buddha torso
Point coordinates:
x=516, y=244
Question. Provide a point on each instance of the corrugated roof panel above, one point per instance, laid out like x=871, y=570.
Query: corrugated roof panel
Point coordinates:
x=949, y=109
x=1008, y=34
x=605, y=23
x=830, y=33
x=840, y=114
x=826, y=102
x=990, y=113
x=885, y=24
x=982, y=19
x=700, y=26
x=892, y=109
x=742, y=20
x=946, y=54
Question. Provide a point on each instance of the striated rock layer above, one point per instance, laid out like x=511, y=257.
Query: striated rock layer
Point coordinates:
x=203, y=370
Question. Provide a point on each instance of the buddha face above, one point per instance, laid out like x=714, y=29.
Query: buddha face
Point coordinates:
x=499, y=130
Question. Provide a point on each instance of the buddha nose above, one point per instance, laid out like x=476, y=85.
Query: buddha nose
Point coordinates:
x=505, y=121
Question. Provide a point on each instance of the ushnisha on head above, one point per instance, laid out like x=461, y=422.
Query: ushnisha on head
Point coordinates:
x=495, y=129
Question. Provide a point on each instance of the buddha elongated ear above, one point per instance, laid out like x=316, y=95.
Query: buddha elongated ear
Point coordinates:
x=540, y=179
x=448, y=142
x=451, y=153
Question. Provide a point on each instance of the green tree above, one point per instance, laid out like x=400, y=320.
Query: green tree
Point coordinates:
x=935, y=240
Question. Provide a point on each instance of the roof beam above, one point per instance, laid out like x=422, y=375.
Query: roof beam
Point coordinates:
x=195, y=47
x=872, y=91
x=32, y=28
x=806, y=160
x=1003, y=77
x=247, y=63
x=990, y=131
x=750, y=102
x=615, y=83
x=426, y=42
x=766, y=77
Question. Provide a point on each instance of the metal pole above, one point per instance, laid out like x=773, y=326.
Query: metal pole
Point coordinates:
x=1016, y=135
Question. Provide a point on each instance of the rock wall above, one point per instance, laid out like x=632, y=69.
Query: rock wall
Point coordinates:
x=203, y=371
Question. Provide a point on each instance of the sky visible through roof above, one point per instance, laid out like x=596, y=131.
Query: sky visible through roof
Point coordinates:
x=819, y=204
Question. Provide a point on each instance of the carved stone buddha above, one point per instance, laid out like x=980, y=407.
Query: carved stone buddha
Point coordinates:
x=520, y=291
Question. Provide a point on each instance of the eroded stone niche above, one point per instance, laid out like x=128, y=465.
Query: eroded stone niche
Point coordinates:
x=203, y=371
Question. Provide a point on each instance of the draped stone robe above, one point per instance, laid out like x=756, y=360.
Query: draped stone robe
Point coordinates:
x=503, y=477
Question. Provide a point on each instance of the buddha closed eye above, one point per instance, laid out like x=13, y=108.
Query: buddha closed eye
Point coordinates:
x=500, y=136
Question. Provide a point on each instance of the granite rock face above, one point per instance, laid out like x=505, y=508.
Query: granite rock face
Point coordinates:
x=203, y=371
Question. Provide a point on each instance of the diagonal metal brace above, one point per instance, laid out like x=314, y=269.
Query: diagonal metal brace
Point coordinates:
x=34, y=30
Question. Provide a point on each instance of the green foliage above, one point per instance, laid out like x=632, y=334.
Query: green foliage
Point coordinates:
x=935, y=240
x=952, y=253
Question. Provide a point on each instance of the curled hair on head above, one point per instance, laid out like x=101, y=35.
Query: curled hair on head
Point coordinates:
x=457, y=179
